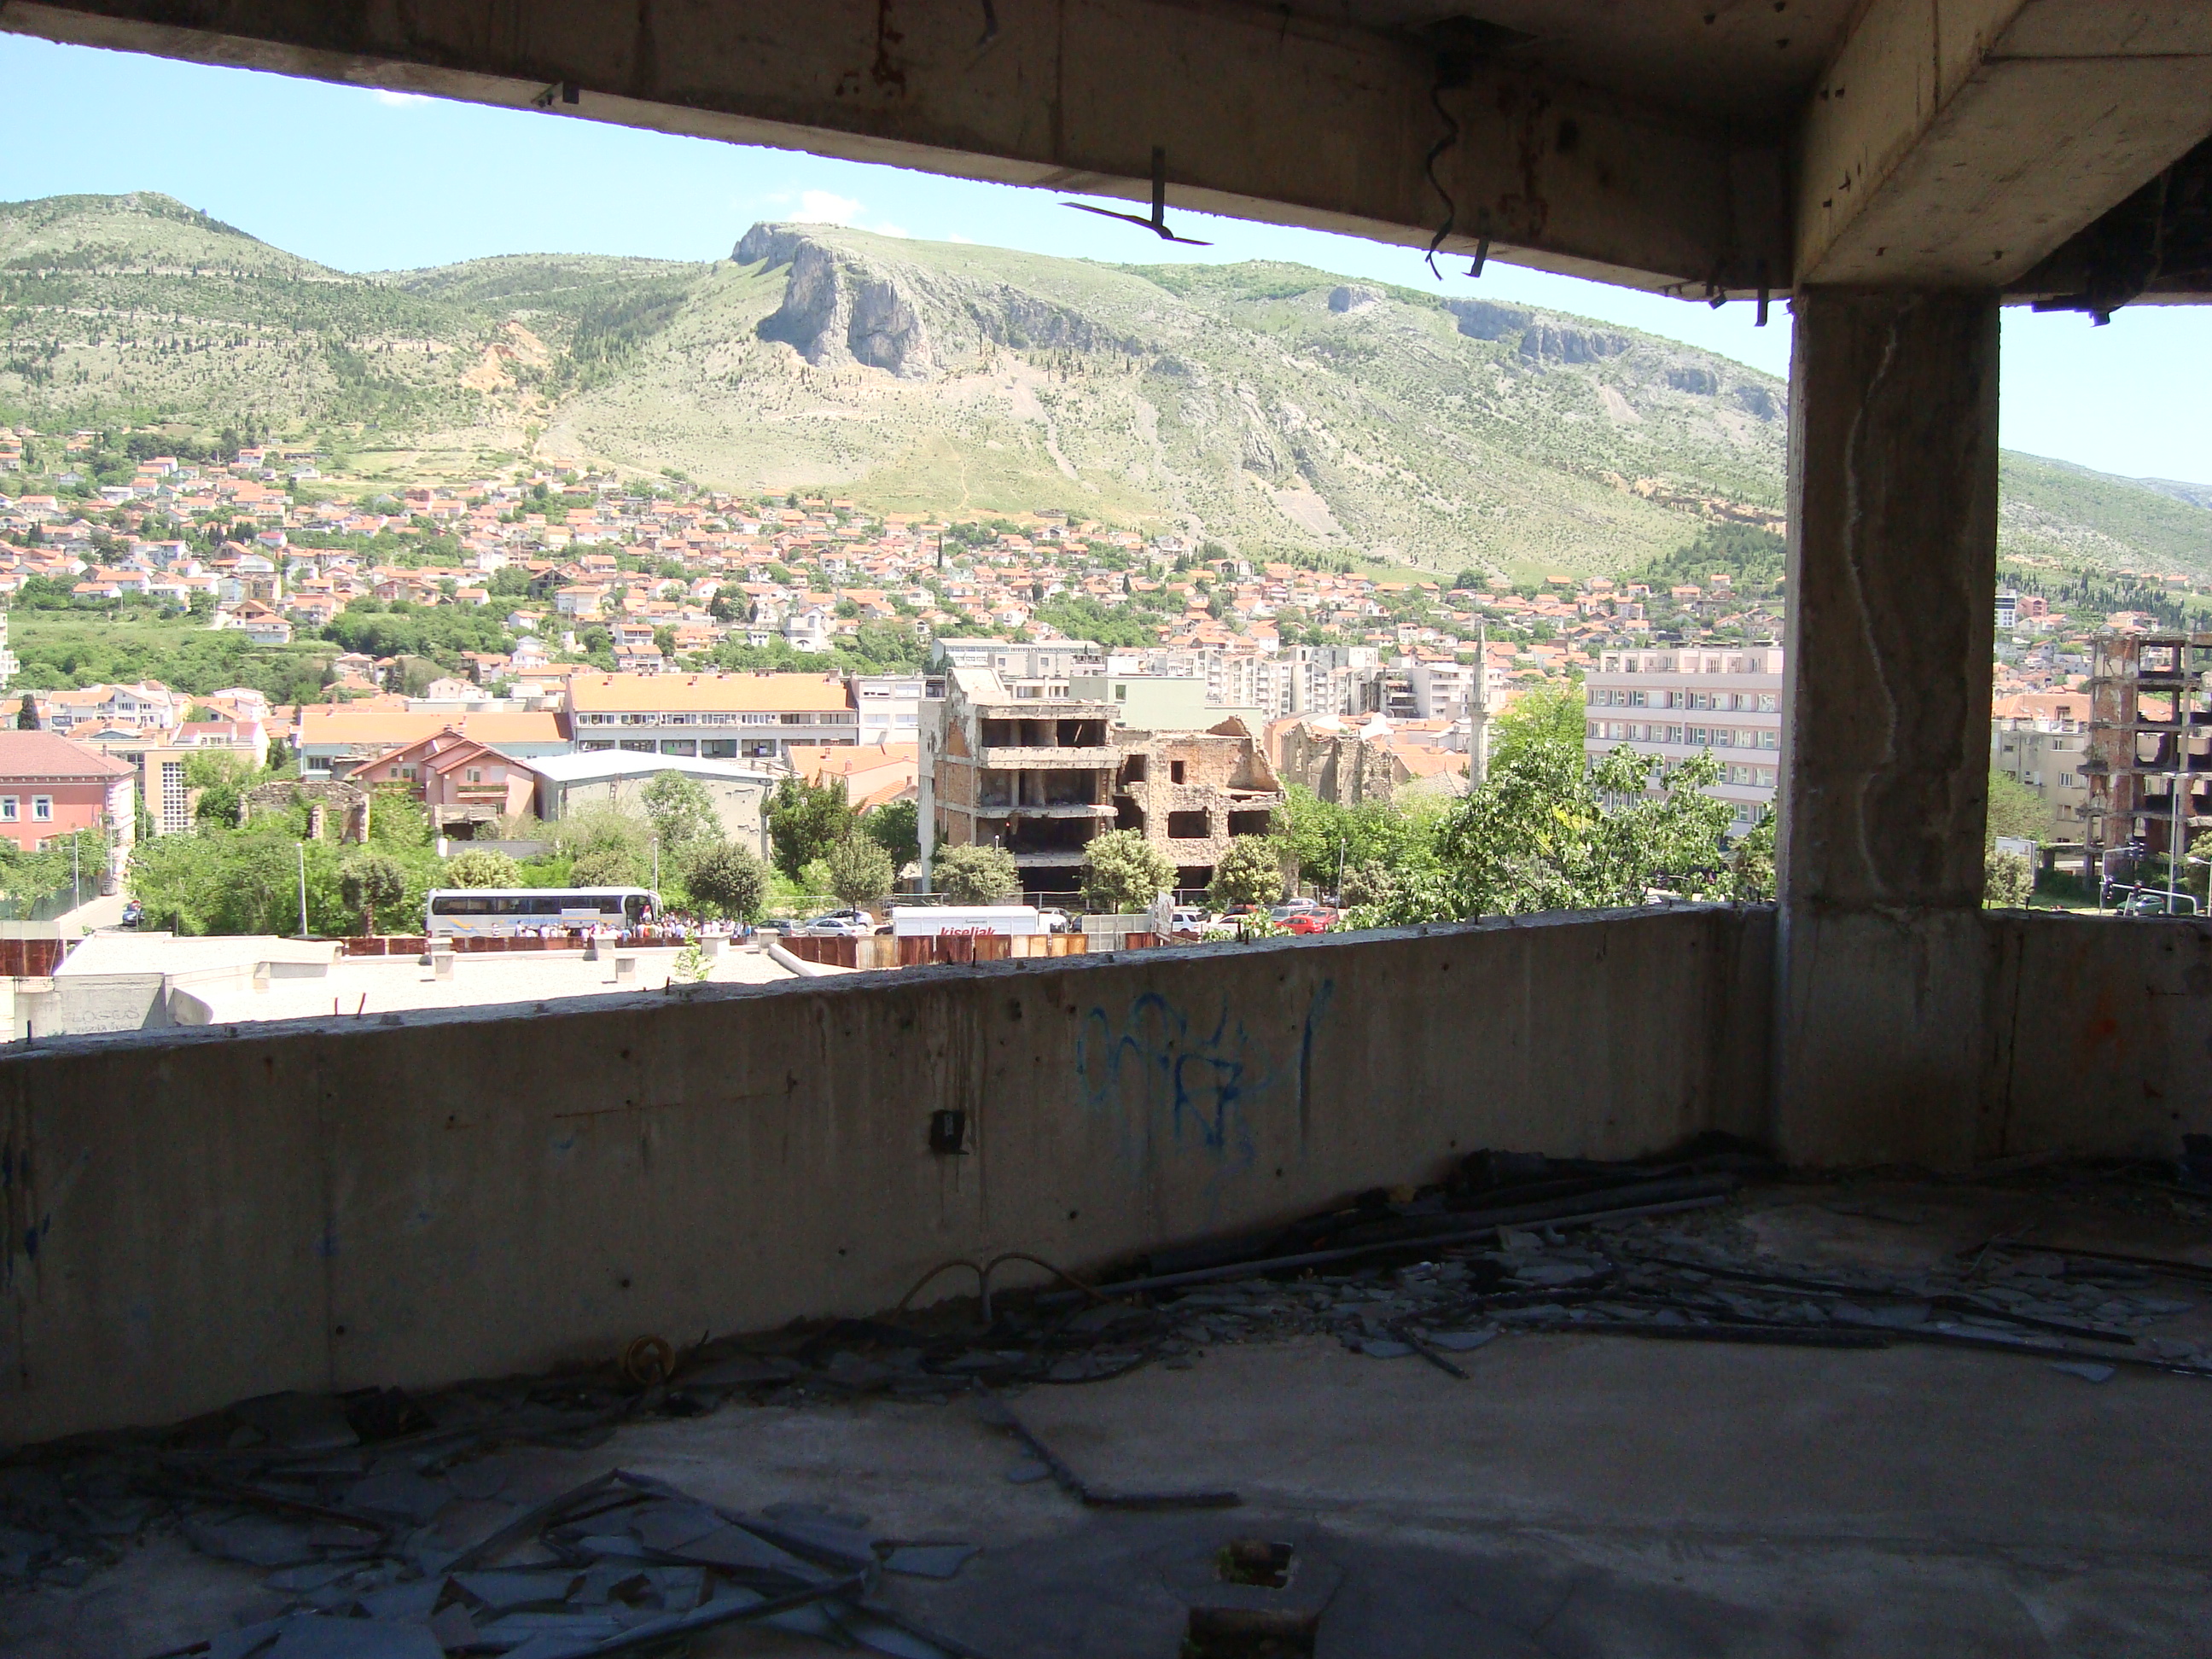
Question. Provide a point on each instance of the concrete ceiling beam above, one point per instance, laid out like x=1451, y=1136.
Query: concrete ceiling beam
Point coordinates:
x=1955, y=143
x=1263, y=113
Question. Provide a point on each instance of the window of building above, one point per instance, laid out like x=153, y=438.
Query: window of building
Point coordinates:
x=1174, y=776
x=1769, y=739
x=1132, y=769
x=1247, y=823
x=8, y=809
x=1768, y=702
x=1187, y=826
x=476, y=775
x=42, y=808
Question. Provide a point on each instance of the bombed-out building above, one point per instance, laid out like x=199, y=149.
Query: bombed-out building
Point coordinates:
x=1042, y=775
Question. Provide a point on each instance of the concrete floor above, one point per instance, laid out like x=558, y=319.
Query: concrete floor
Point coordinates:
x=1576, y=1496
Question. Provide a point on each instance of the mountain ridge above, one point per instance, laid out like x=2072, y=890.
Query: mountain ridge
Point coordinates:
x=1284, y=410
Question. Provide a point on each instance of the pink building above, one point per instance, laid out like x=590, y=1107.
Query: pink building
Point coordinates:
x=460, y=781
x=50, y=786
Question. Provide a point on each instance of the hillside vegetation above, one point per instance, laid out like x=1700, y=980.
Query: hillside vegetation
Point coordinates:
x=1273, y=408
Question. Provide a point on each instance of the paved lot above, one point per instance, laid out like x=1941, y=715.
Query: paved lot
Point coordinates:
x=374, y=985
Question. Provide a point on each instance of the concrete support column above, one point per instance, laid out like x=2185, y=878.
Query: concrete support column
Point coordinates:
x=1883, y=958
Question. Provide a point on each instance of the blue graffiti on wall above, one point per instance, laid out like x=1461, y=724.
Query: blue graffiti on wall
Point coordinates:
x=1189, y=1081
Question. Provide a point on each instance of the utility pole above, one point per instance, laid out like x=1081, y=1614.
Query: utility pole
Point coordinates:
x=2173, y=843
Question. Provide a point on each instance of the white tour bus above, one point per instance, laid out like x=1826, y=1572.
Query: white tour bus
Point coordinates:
x=481, y=911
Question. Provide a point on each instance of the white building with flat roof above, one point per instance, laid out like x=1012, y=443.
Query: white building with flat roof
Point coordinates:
x=1683, y=701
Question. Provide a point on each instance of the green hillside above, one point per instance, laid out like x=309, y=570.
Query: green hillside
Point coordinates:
x=1270, y=407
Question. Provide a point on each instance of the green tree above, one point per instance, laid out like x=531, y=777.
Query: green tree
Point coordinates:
x=1543, y=714
x=1545, y=833
x=975, y=875
x=77, y=859
x=896, y=826
x=397, y=820
x=613, y=847
x=2014, y=810
x=729, y=878
x=609, y=864
x=223, y=777
x=1251, y=872
x=805, y=820
x=860, y=872
x=1317, y=837
x=681, y=812
x=482, y=867
x=371, y=882
x=1123, y=872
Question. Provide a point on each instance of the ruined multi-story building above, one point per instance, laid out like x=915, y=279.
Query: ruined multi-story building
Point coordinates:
x=1189, y=792
x=1347, y=765
x=1040, y=776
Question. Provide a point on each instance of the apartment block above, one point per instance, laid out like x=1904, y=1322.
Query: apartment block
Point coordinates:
x=1037, y=668
x=2042, y=740
x=889, y=705
x=1682, y=702
x=760, y=716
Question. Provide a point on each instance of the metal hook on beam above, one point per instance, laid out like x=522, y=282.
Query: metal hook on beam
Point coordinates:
x=1157, y=224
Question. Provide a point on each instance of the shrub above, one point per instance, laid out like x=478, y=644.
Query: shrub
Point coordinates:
x=2007, y=880
x=975, y=875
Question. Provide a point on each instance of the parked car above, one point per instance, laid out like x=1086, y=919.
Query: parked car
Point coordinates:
x=839, y=924
x=1316, y=920
x=133, y=914
x=1055, y=922
x=780, y=926
x=1293, y=907
x=2153, y=901
x=1188, y=918
x=1236, y=913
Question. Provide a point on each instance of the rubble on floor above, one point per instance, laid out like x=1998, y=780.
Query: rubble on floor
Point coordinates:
x=336, y=1502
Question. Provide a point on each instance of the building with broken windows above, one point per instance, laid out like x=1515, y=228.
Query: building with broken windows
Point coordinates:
x=1041, y=776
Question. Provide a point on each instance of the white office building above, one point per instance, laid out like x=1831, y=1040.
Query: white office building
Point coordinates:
x=1679, y=702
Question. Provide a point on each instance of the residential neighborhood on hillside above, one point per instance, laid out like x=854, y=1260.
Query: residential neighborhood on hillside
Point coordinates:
x=542, y=617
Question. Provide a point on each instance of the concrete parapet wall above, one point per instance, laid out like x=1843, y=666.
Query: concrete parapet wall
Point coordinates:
x=197, y=1217
x=2101, y=1036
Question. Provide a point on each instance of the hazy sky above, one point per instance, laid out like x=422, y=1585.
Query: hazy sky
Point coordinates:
x=366, y=180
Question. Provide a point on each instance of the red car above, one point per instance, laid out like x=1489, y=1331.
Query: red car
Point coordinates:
x=1311, y=921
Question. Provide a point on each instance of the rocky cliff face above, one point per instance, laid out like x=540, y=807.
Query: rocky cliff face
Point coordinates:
x=841, y=306
x=838, y=309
